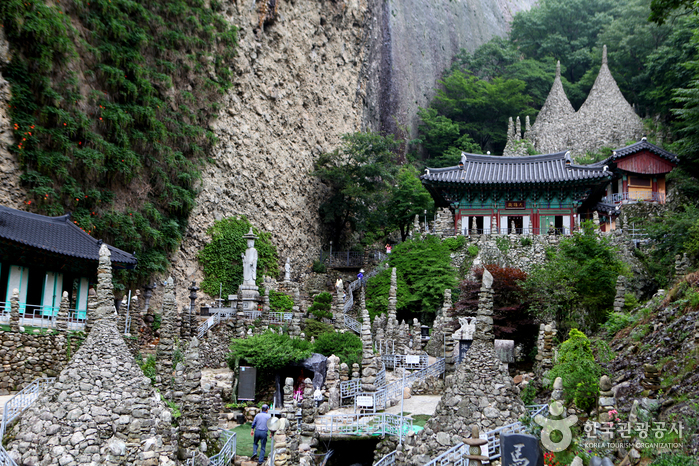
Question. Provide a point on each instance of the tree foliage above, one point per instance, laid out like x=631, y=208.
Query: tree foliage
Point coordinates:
x=408, y=198
x=270, y=351
x=280, y=302
x=322, y=306
x=221, y=258
x=580, y=373
x=103, y=126
x=377, y=289
x=425, y=268
x=346, y=346
x=359, y=174
x=577, y=283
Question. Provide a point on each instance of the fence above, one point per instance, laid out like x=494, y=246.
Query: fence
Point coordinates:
x=408, y=361
x=223, y=313
x=363, y=424
x=5, y=459
x=633, y=197
x=224, y=457
x=22, y=400
x=44, y=317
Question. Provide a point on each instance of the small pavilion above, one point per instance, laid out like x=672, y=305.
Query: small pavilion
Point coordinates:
x=44, y=256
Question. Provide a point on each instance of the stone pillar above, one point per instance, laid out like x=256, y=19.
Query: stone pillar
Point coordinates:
x=344, y=372
x=369, y=367
x=14, y=311
x=105, y=290
x=187, y=392
x=448, y=343
x=91, y=309
x=484, y=315
x=168, y=330
x=295, y=327
x=607, y=402
x=355, y=371
x=620, y=293
x=62, y=317
x=308, y=411
x=265, y=302
x=557, y=393
x=651, y=379
x=332, y=382
x=289, y=405
x=135, y=314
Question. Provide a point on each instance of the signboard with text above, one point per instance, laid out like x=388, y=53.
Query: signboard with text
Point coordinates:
x=515, y=204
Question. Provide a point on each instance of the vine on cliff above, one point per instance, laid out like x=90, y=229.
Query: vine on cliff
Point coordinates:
x=110, y=105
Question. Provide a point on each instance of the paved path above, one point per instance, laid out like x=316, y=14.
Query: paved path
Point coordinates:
x=418, y=404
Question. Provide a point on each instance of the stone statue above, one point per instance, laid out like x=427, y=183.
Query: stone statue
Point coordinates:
x=487, y=279
x=339, y=288
x=474, y=230
x=250, y=260
x=287, y=271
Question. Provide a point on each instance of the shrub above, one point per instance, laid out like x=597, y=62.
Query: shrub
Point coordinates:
x=674, y=459
x=455, y=243
x=580, y=373
x=322, y=305
x=503, y=244
x=315, y=328
x=148, y=367
x=616, y=322
x=280, y=302
x=319, y=267
x=377, y=293
x=525, y=241
x=269, y=351
x=221, y=257
x=630, y=301
x=472, y=250
x=528, y=394
x=347, y=346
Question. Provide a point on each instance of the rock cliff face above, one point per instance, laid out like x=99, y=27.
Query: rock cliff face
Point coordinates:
x=11, y=194
x=412, y=42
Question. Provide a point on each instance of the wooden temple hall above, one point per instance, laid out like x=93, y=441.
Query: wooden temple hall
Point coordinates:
x=42, y=257
x=544, y=194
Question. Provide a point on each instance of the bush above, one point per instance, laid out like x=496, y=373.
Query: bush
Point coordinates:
x=377, y=288
x=528, y=394
x=221, y=257
x=503, y=244
x=322, y=305
x=280, y=302
x=472, y=250
x=630, y=301
x=347, y=346
x=455, y=243
x=319, y=267
x=616, y=322
x=315, y=328
x=580, y=373
x=674, y=459
x=269, y=351
x=525, y=241
x=148, y=367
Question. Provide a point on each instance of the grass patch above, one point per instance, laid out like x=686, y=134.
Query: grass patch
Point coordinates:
x=244, y=440
x=420, y=419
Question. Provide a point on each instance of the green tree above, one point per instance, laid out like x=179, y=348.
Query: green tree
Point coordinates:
x=346, y=346
x=322, y=306
x=577, y=283
x=269, y=352
x=377, y=293
x=580, y=373
x=221, y=258
x=359, y=175
x=407, y=198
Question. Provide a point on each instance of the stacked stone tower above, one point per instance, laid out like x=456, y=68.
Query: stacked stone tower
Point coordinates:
x=102, y=409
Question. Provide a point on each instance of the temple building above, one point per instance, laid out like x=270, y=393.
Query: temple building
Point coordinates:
x=541, y=194
x=638, y=176
x=529, y=195
x=43, y=256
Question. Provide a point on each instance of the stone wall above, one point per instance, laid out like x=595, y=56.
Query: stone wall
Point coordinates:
x=26, y=357
x=214, y=347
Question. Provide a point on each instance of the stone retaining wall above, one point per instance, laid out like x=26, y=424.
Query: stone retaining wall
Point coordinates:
x=26, y=357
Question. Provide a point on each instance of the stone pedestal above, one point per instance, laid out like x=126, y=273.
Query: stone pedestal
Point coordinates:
x=14, y=311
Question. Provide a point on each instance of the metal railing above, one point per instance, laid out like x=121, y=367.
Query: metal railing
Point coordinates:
x=43, y=317
x=224, y=457
x=408, y=361
x=5, y=458
x=364, y=424
x=387, y=460
x=343, y=258
x=210, y=322
x=518, y=231
x=279, y=317
x=22, y=400
x=633, y=197
x=353, y=324
x=350, y=388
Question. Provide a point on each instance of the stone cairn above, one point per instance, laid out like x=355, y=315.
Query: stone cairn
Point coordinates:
x=544, y=356
x=484, y=314
x=681, y=266
x=62, y=317
x=102, y=410
x=480, y=392
x=332, y=382
x=475, y=458
x=137, y=322
x=308, y=411
x=620, y=293
x=14, y=311
x=390, y=331
x=91, y=309
x=168, y=330
x=187, y=393
x=607, y=402
x=435, y=345
x=295, y=326
x=651, y=379
x=416, y=230
x=369, y=364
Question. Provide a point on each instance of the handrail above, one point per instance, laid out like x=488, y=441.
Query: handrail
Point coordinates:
x=225, y=456
x=38, y=315
x=22, y=400
x=363, y=424
x=634, y=196
x=5, y=458
x=387, y=460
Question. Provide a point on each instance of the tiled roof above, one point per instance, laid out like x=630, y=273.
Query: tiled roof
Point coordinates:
x=639, y=146
x=55, y=234
x=531, y=170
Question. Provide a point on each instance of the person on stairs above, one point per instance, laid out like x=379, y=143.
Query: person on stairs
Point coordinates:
x=260, y=432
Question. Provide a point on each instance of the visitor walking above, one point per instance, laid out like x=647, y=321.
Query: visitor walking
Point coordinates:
x=259, y=432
